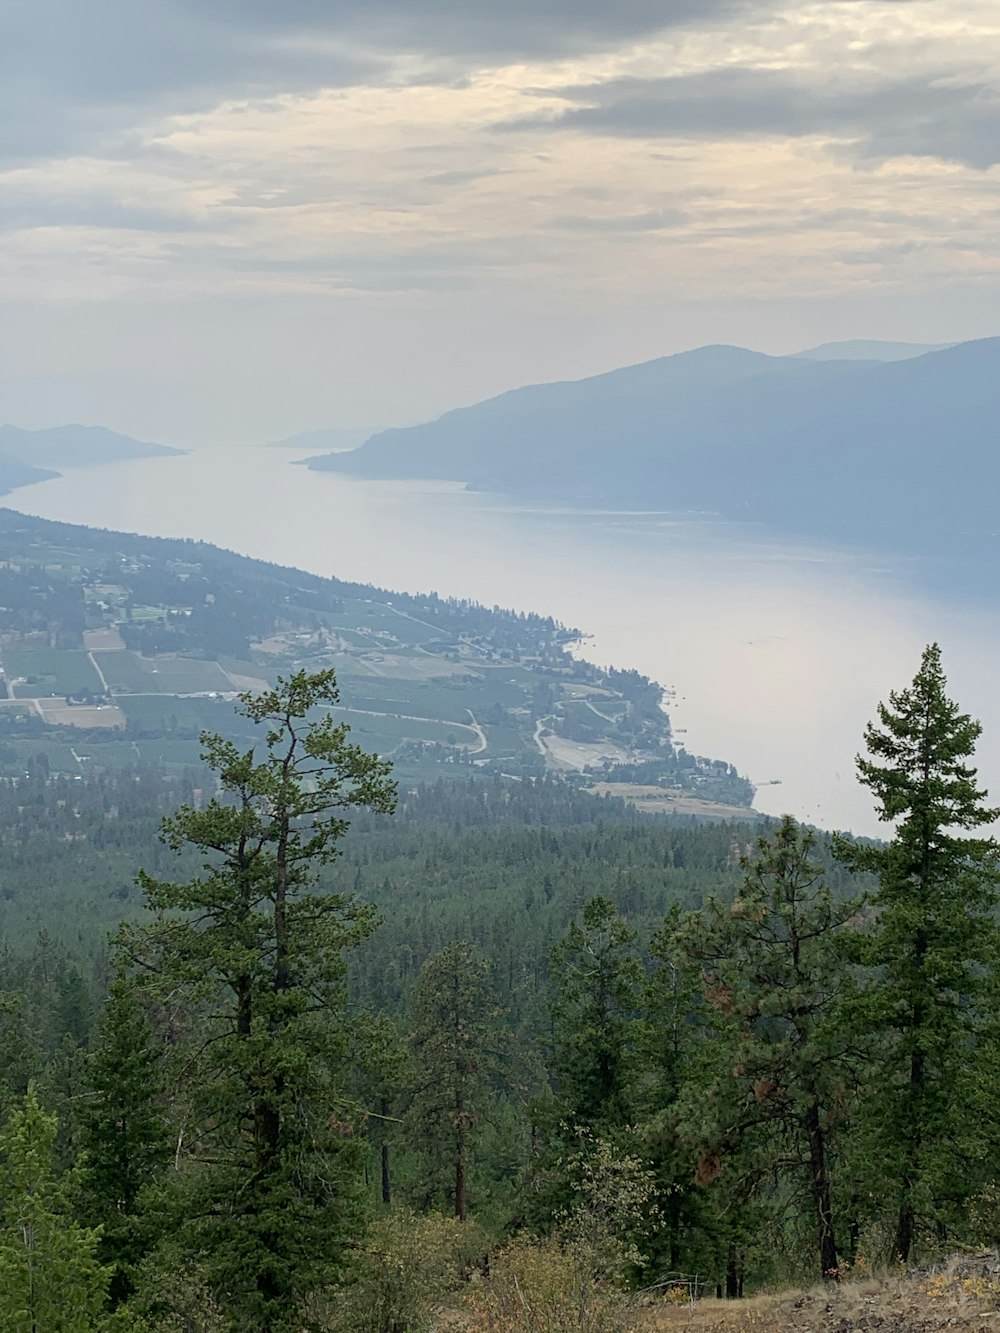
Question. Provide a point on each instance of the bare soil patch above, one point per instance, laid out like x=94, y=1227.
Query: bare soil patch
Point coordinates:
x=671, y=801
x=57, y=713
x=103, y=640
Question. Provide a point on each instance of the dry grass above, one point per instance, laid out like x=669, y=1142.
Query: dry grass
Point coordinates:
x=958, y=1297
x=963, y=1295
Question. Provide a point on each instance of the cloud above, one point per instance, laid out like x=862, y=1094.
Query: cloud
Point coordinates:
x=651, y=220
x=73, y=74
x=99, y=214
x=934, y=114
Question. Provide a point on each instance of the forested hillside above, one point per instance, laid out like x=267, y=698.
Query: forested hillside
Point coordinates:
x=464, y=1050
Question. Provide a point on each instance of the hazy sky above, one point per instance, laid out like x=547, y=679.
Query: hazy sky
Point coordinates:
x=236, y=219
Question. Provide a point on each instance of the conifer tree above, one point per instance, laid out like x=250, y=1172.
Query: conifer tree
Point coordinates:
x=455, y=1048
x=934, y=947
x=596, y=981
x=597, y=998
x=50, y=1276
x=123, y=1135
x=247, y=958
x=670, y=1046
x=774, y=973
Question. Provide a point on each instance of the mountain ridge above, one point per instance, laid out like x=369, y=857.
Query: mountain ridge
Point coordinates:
x=30, y=456
x=851, y=443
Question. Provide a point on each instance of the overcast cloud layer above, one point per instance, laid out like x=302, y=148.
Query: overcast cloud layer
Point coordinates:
x=233, y=219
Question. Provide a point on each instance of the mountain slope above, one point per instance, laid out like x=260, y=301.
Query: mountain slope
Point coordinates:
x=904, y=448
x=15, y=473
x=75, y=446
x=552, y=424
x=869, y=349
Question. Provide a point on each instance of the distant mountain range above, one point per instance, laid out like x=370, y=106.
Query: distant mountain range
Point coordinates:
x=892, y=447
x=27, y=456
x=869, y=349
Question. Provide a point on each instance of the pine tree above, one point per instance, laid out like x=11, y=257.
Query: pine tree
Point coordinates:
x=123, y=1135
x=774, y=972
x=597, y=983
x=50, y=1276
x=247, y=959
x=933, y=946
x=455, y=1048
x=670, y=1044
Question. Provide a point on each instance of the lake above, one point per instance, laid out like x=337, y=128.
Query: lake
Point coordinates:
x=778, y=652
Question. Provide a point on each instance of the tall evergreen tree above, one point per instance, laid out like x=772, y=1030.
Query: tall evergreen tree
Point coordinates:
x=933, y=946
x=774, y=971
x=594, y=1009
x=597, y=980
x=50, y=1276
x=123, y=1135
x=455, y=1048
x=671, y=1044
x=248, y=957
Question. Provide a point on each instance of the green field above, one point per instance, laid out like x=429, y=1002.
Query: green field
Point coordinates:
x=506, y=740
x=16, y=754
x=382, y=733
x=378, y=616
x=162, y=675
x=49, y=671
x=168, y=752
x=446, y=699
x=168, y=713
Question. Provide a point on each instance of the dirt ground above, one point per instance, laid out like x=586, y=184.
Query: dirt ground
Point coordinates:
x=57, y=713
x=661, y=800
x=962, y=1296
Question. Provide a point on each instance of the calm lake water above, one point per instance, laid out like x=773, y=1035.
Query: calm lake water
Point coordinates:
x=778, y=653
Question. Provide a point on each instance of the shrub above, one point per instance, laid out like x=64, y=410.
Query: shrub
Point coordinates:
x=407, y=1267
x=548, y=1286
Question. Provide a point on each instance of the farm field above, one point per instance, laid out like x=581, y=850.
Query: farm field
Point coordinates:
x=168, y=713
x=443, y=699
x=162, y=675
x=380, y=616
x=383, y=733
x=58, y=713
x=48, y=671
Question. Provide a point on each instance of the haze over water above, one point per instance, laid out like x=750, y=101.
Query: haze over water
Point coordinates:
x=778, y=653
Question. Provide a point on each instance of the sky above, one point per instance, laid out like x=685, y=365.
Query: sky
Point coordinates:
x=234, y=220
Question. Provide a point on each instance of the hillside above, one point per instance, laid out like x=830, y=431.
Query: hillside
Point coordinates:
x=28, y=456
x=884, y=450
x=869, y=349
x=119, y=648
x=14, y=473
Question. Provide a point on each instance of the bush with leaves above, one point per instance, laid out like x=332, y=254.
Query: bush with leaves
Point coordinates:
x=173, y=1297
x=407, y=1267
x=548, y=1286
x=577, y=1278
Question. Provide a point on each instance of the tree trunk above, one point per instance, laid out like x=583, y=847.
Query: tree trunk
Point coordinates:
x=734, y=1275
x=386, y=1179
x=915, y=1094
x=459, y=1153
x=819, y=1188
x=906, y=1222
